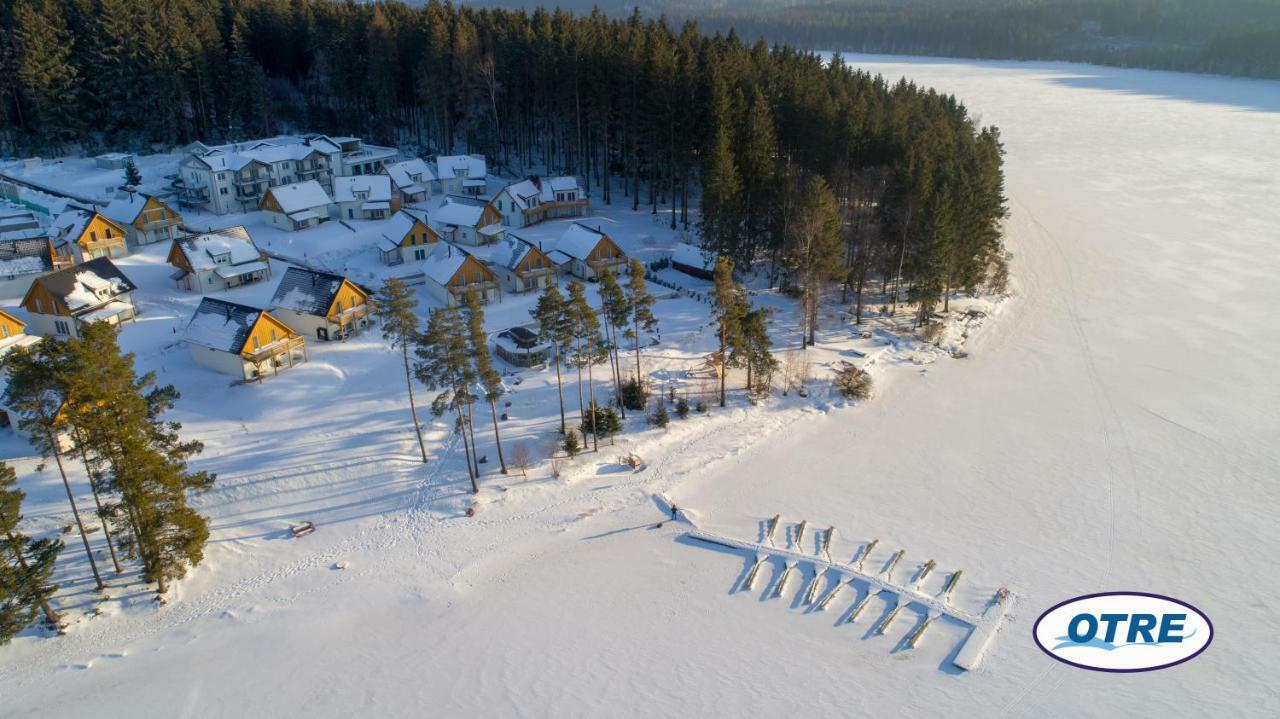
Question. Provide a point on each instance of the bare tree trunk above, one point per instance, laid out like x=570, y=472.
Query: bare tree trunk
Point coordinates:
x=97, y=501
x=497, y=437
x=560, y=389
x=84, y=537
x=462, y=427
x=591, y=386
x=413, y=409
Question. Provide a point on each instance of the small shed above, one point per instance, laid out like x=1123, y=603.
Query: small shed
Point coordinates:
x=112, y=160
x=521, y=347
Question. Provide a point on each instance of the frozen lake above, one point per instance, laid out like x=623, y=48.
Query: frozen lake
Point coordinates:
x=1116, y=428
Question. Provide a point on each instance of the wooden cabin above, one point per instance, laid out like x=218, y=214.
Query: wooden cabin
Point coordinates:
x=450, y=273
x=145, y=218
x=61, y=302
x=326, y=306
x=242, y=341
x=80, y=234
x=407, y=237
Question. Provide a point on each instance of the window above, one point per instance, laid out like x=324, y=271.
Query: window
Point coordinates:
x=5, y=329
x=256, y=345
x=39, y=306
x=419, y=255
x=273, y=335
x=61, y=327
x=222, y=190
x=93, y=235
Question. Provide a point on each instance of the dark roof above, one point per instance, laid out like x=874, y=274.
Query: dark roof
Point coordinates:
x=221, y=325
x=307, y=291
x=22, y=248
x=522, y=336
x=64, y=282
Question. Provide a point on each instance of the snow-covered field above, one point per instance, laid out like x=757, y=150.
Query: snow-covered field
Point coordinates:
x=1115, y=428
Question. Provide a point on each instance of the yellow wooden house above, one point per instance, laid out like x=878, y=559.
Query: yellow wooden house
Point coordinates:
x=80, y=234
x=407, y=237
x=320, y=304
x=242, y=341
x=145, y=218
x=450, y=273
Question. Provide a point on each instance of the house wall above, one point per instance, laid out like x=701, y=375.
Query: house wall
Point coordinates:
x=152, y=212
x=304, y=324
x=44, y=325
x=219, y=361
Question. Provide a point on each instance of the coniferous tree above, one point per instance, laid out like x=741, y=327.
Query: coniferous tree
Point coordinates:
x=132, y=177
x=47, y=76
x=729, y=311
x=760, y=362
x=36, y=395
x=488, y=377
x=640, y=306
x=721, y=223
x=444, y=364
x=25, y=565
x=584, y=325
x=617, y=314
x=554, y=328
x=813, y=248
x=120, y=416
x=394, y=307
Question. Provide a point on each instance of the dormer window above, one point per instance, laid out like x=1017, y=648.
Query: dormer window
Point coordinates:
x=223, y=258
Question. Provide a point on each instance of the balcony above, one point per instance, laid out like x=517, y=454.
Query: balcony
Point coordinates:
x=284, y=346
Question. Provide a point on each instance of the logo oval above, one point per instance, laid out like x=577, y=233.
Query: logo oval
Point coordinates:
x=1123, y=632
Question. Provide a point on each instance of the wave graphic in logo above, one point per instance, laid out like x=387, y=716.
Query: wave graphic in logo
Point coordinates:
x=1100, y=631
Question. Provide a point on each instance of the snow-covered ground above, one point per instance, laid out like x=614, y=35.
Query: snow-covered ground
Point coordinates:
x=1115, y=428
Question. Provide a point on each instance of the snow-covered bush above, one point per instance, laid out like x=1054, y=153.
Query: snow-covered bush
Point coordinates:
x=853, y=383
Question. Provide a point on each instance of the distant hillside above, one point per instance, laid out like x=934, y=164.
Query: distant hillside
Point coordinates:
x=1232, y=37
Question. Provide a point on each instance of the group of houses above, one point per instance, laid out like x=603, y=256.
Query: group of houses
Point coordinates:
x=251, y=343
x=452, y=263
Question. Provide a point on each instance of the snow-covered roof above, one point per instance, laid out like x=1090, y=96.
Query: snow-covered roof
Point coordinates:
x=234, y=156
x=531, y=192
x=87, y=285
x=466, y=166
x=375, y=188
x=459, y=211
x=508, y=252
x=25, y=256
x=399, y=225
x=221, y=325
x=578, y=241
x=300, y=196
x=410, y=173
x=443, y=263
x=201, y=250
x=693, y=256
x=306, y=291
x=14, y=220
x=73, y=220
x=126, y=209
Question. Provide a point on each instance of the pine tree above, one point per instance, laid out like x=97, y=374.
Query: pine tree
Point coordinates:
x=616, y=312
x=36, y=395
x=814, y=251
x=132, y=177
x=730, y=309
x=394, y=307
x=760, y=362
x=585, y=327
x=25, y=565
x=489, y=378
x=47, y=74
x=554, y=328
x=120, y=417
x=640, y=306
x=444, y=364
x=721, y=224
